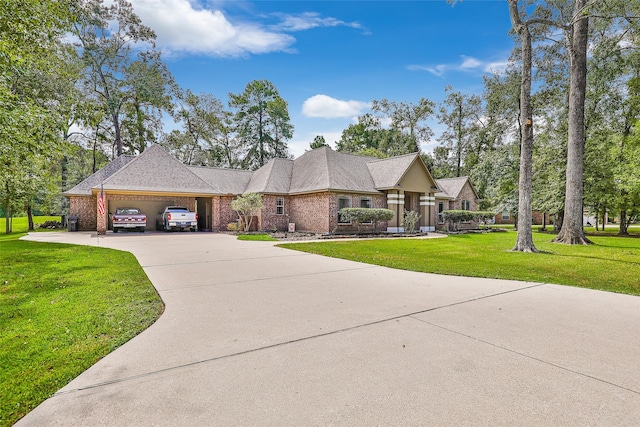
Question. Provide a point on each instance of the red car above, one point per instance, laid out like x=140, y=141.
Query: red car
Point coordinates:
x=128, y=218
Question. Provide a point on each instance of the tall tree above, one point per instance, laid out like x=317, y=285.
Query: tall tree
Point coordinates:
x=577, y=37
x=367, y=137
x=318, y=142
x=462, y=114
x=207, y=136
x=121, y=75
x=263, y=122
x=524, y=240
x=408, y=118
x=30, y=40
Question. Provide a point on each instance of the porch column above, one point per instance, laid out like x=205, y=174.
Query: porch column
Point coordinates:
x=427, y=201
x=101, y=218
x=395, y=202
x=215, y=214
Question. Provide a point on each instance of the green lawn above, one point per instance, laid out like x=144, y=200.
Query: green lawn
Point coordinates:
x=63, y=308
x=611, y=264
x=21, y=225
x=261, y=237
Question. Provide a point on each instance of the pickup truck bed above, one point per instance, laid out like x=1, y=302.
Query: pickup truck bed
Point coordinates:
x=177, y=218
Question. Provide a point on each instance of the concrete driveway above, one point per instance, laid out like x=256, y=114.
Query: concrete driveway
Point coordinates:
x=258, y=335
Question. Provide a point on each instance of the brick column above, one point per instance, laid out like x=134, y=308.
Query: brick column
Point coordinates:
x=215, y=213
x=102, y=220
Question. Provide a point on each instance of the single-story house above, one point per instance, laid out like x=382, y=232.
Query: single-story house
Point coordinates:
x=456, y=194
x=537, y=217
x=308, y=191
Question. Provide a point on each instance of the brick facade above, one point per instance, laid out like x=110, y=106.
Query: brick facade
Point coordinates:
x=223, y=215
x=310, y=212
x=86, y=208
x=466, y=193
x=269, y=218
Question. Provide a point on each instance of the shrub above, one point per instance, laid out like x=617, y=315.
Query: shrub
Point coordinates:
x=233, y=226
x=366, y=215
x=410, y=221
x=245, y=205
x=455, y=217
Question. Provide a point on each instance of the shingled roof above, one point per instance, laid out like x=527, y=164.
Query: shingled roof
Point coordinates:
x=452, y=187
x=157, y=170
x=84, y=188
x=222, y=180
x=322, y=169
x=274, y=177
x=387, y=173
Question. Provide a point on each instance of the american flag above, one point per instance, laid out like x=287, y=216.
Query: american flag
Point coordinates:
x=101, y=202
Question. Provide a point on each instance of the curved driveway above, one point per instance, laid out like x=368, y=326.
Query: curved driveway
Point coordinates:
x=254, y=334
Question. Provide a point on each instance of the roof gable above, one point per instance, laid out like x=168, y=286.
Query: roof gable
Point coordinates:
x=453, y=186
x=157, y=170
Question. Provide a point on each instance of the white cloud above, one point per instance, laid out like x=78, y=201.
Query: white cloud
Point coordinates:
x=309, y=20
x=466, y=64
x=327, y=107
x=182, y=28
x=470, y=63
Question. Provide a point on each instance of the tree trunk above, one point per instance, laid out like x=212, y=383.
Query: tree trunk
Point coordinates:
x=116, y=128
x=30, y=217
x=7, y=220
x=572, y=232
x=459, y=139
x=524, y=240
x=7, y=209
x=559, y=220
x=624, y=231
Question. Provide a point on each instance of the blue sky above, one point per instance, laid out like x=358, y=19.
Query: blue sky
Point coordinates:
x=330, y=59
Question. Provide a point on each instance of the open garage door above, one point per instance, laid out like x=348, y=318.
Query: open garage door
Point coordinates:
x=149, y=208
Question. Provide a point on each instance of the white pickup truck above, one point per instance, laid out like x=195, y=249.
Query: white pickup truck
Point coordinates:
x=176, y=218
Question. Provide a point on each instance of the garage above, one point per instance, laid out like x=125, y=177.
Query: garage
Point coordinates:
x=148, y=207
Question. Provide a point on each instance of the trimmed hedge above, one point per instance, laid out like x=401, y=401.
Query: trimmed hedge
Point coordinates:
x=365, y=215
x=455, y=217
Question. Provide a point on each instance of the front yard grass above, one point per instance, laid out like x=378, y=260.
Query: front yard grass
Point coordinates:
x=20, y=224
x=63, y=308
x=260, y=237
x=611, y=264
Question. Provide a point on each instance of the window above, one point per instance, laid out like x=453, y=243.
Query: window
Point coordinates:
x=506, y=215
x=440, y=210
x=466, y=206
x=280, y=206
x=366, y=202
x=343, y=202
